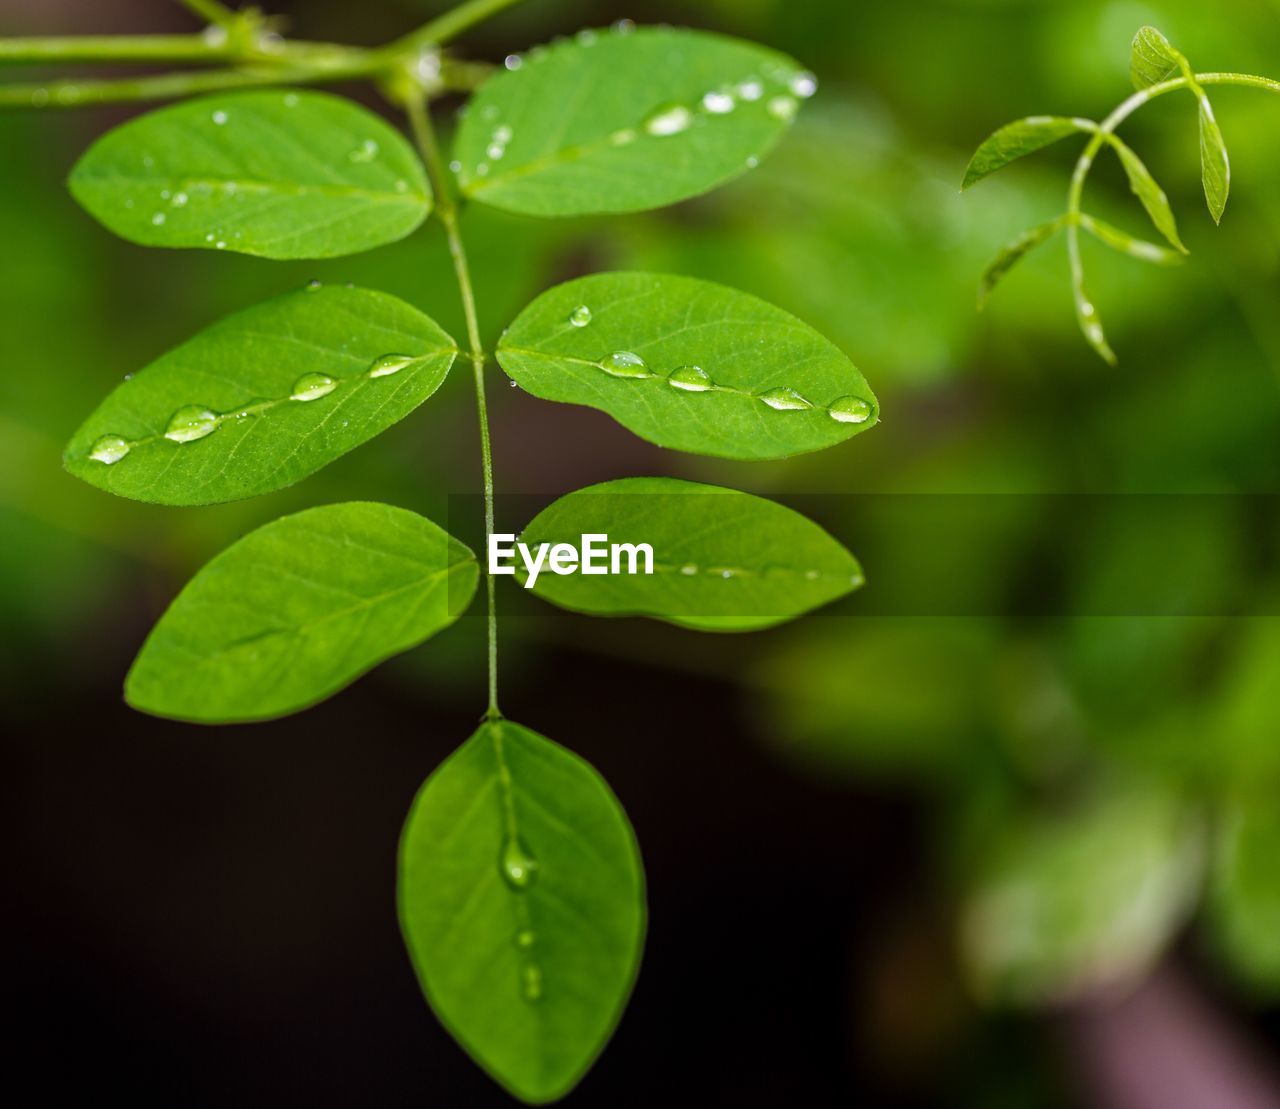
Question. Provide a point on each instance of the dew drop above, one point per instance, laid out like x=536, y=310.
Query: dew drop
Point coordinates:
x=513, y=62
x=580, y=316
x=784, y=399
x=752, y=162
x=519, y=868
x=783, y=107
x=811, y=575
x=495, y=151
x=157, y=219
x=624, y=26
x=219, y=118
x=669, y=121
x=220, y=245
x=365, y=152
x=688, y=569
x=290, y=99
x=621, y=138
x=622, y=363
x=531, y=982
x=455, y=166
x=314, y=284
x=803, y=85
x=525, y=939
x=312, y=387
x=388, y=364
x=482, y=170
x=179, y=200
x=726, y=574
x=109, y=449
x=190, y=423
x=214, y=35
x=514, y=384
x=850, y=410
x=586, y=37
x=690, y=379
x=751, y=89
x=718, y=103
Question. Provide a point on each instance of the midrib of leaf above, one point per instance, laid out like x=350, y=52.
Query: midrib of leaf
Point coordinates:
x=249, y=185
x=550, y=357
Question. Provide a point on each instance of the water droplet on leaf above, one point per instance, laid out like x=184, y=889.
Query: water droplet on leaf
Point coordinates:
x=219, y=118
x=580, y=316
x=312, y=387
x=109, y=449
x=691, y=379
x=531, y=982
x=519, y=867
x=803, y=85
x=784, y=399
x=525, y=939
x=623, y=363
x=669, y=121
x=783, y=107
x=850, y=410
x=190, y=423
x=389, y=364
x=718, y=103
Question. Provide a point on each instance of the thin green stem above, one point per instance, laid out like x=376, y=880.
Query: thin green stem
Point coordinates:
x=447, y=210
x=447, y=27
x=211, y=11
x=117, y=48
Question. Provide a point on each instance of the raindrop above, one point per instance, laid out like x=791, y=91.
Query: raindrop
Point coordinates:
x=752, y=162
x=220, y=245
x=688, y=569
x=109, y=449
x=783, y=107
x=751, y=89
x=621, y=138
x=531, y=982
x=455, y=166
x=290, y=99
x=519, y=868
x=811, y=575
x=482, y=170
x=514, y=384
x=389, y=364
x=586, y=37
x=502, y=134
x=365, y=152
x=179, y=200
x=191, y=423
x=312, y=387
x=784, y=399
x=690, y=379
x=850, y=410
x=624, y=26
x=622, y=363
x=214, y=35
x=669, y=121
x=495, y=150
x=314, y=284
x=718, y=103
x=157, y=218
x=580, y=316
x=726, y=574
x=219, y=117
x=803, y=85
x=513, y=61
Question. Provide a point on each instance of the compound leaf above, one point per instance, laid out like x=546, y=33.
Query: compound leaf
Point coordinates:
x=722, y=560
x=279, y=174
x=1019, y=138
x=1215, y=167
x=521, y=895
x=263, y=398
x=1012, y=253
x=689, y=365
x=1146, y=189
x=298, y=609
x=1152, y=59
x=621, y=122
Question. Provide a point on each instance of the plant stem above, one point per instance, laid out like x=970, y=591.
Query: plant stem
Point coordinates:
x=450, y=25
x=117, y=48
x=211, y=11
x=447, y=210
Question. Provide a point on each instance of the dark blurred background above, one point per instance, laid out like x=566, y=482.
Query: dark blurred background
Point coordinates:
x=999, y=830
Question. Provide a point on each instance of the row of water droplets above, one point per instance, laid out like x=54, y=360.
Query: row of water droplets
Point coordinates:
x=195, y=421
x=519, y=869
x=694, y=379
x=783, y=88
x=772, y=571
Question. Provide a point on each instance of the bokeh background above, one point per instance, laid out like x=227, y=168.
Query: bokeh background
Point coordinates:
x=999, y=830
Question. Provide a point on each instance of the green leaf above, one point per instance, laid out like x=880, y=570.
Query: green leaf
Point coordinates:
x=688, y=365
x=1215, y=167
x=1245, y=895
x=1152, y=59
x=1077, y=902
x=1086, y=312
x=1012, y=253
x=621, y=122
x=1022, y=137
x=1151, y=195
x=297, y=610
x=263, y=398
x=722, y=560
x=279, y=174
x=522, y=903
x=1127, y=244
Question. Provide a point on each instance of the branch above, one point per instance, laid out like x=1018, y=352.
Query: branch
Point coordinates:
x=211, y=11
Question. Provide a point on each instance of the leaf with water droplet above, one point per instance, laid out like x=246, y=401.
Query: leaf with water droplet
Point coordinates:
x=268, y=173
x=722, y=560
x=299, y=609
x=1018, y=139
x=625, y=122
x=534, y=983
x=264, y=397
x=766, y=385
